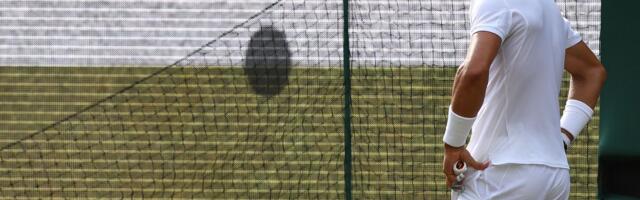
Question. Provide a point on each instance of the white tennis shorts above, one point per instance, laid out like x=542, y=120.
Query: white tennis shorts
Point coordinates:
x=516, y=181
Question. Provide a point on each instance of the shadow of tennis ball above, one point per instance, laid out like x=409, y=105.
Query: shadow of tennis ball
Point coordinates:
x=268, y=62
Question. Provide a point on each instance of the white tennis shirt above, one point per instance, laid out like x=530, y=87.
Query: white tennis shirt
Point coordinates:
x=519, y=122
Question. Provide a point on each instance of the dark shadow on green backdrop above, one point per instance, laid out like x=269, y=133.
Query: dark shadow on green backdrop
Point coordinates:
x=619, y=155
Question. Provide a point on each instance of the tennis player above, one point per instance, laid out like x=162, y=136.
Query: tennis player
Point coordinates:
x=506, y=92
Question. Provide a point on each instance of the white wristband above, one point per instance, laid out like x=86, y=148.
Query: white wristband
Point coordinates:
x=576, y=115
x=457, y=129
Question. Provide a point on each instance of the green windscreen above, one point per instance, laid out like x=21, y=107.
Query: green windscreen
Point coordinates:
x=618, y=152
x=253, y=110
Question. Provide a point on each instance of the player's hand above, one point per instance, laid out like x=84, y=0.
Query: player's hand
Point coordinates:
x=567, y=136
x=455, y=154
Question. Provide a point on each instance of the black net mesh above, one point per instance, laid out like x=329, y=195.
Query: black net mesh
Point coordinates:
x=254, y=113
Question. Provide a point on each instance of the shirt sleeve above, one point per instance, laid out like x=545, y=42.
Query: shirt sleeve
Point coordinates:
x=496, y=21
x=573, y=37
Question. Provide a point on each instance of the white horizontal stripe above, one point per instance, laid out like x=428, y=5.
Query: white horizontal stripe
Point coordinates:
x=356, y=29
x=192, y=86
x=92, y=57
x=275, y=180
x=126, y=180
x=458, y=3
x=235, y=105
x=219, y=48
x=243, y=192
x=226, y=76
x=407, y=2
x=199, y=124
x=377, y=134
x=228, y=124
x=309, y=147
x=252, y=29
x=111, y=142
x=218, y=114
x=251, y=96
x=158, y=1
x=199, y=59
x=363, y=12
x=280, y=21
x=219, y=10
x=226, y=171
x=291, y=39
x=240, y=143
x=177, y=161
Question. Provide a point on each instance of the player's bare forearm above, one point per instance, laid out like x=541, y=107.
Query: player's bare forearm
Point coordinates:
x=468, y=91
x=587, y=74
x=472, y=77
x=586, y=88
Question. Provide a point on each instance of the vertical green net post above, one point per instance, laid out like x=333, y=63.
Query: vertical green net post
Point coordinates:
x=347, y=101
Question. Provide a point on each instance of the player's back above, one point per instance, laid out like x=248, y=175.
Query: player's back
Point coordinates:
x=519, y=121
